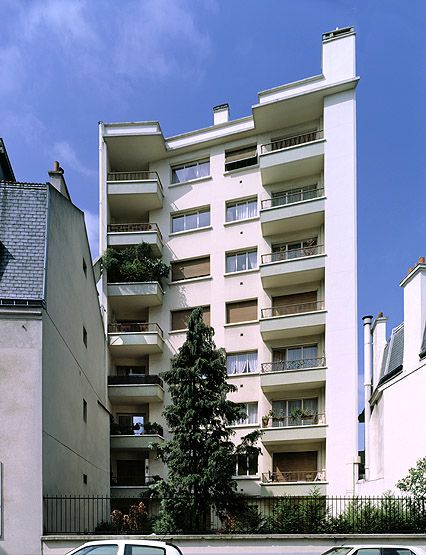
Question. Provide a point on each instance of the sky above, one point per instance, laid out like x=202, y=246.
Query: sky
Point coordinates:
x=66, y=64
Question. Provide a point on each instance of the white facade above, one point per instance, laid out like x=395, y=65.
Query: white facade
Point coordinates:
x=280, y=183
x=394, y=438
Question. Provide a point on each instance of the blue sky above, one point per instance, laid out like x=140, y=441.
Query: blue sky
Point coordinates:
x=65, y=64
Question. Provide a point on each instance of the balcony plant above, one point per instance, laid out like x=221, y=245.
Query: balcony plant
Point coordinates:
x=153, y=428
x=267, y=417
x=299, y=414
x=134, y=264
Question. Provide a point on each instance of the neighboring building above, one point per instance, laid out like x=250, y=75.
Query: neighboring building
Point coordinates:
x=54, y=435
x=257, y=217
x=394, y=382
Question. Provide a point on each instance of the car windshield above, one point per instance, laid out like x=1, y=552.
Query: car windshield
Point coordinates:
x=106, y=549
x=338, y=551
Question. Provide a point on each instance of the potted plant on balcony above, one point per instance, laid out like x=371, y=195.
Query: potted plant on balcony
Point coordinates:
x=153, y=428
x=134, y=264
x=266, y=418
x=298, y=415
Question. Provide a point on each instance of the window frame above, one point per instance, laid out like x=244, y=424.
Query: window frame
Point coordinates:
x=247, y=474
x=235, y=254
x=241, y=202
x=193, y=163
x=189, y=260
x=185, y=214
x=244, y=161
x=233, y=303
x=186, y=310
x=244, y=421
x=246, y=370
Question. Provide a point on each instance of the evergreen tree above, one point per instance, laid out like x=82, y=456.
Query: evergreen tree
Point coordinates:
x=201, y=456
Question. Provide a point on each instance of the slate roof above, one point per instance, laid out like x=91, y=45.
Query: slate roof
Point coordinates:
x=23, y=228
x=393, y=355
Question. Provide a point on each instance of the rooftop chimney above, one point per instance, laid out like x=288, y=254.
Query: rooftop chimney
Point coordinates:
x=57, y=179
x=338, y=55
x=220, y=114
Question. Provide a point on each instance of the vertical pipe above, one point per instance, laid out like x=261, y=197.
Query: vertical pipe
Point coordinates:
x=367, y=390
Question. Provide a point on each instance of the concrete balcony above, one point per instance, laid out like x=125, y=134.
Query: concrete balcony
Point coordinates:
x=125, y=235
x=293, y=375
x=294, y=210
x=128, y=340
x=298, y=483
x=132, y=441
x=132, y=297
x=285, y=322
x=131, y=390
x=293, y=267
x=132, y=193
x=292, y=157
x=294, y=430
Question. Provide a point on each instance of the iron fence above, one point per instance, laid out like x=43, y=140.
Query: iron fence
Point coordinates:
x=294, y=140
x=313, y=513
x=300, y=364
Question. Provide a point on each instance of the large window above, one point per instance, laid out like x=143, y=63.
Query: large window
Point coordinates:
x=240, y=157
x=191, y=220
x=241, y=210
x=295, y=412
x=251, y=415
x=241, y=311
x=240, y=261
x=296, y=249
x=188, y=269
x=241, y=363
x=180, y=317
x=190, y=170
x=294, y=358
x=246, y=465
x=306, y=192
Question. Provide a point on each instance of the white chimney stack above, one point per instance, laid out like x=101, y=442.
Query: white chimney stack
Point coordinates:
x=220, y=114
x=338, y=54
x=378, y=331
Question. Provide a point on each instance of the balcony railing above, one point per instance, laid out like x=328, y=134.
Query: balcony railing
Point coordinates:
x=135, y=327
x=292, y=254
x=294, y=476
x=131, y=480
x=302, y=364
x=128, y=228
x=134, y=176
x=295, y=140
x=137, y=430
x=288, y=421
x=293, y=195
x=135, y=380
x=287, y=310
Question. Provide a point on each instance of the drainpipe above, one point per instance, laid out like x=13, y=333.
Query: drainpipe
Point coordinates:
x=367, y=390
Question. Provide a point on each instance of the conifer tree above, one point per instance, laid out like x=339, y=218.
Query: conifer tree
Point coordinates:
x=200, y=456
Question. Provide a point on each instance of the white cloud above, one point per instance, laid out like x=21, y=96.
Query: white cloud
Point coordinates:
x=92, y=226
x=67, y=157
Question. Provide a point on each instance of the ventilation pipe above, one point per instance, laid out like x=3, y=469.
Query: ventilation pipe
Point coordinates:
x=367, y=390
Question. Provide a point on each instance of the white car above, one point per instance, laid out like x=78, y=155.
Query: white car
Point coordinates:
x=375, y=550
x=127, y=547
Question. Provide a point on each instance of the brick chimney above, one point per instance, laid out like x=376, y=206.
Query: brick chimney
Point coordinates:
x=57, y=179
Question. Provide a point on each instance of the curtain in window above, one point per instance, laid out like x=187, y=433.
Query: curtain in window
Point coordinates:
x=251, y=362
x=252, y=209
x=251, y=413
x=252, y=260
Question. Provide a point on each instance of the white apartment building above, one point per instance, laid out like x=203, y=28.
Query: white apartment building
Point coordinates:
x=257, y=218
x=394, y=383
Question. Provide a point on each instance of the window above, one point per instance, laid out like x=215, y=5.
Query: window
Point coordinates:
x=241, y=311
x=131, y=424
x=288, y=251
x=241, y=363
x=240, y=261
x=295, y=195
x=240, y=157
x=180, y=317
x=191, y=220
x=190, y=170
x=144, y=550
x=131, y=370
x=188, y=269
x=247, y=465
x=295, y=412
x=251, y=415
x=294, y=358
x=84, y=410
x=84, y=478
x=241, y=210
x=84, y=336
x=84, y=267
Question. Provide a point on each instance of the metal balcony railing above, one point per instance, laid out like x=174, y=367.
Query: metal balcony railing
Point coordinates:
x=295, y=140
x=287, y=421
x=291, y=254
x=135, y=380
x=302, y=364
x=287, y=310
x=294, y=476
x=135, y=327
x=131, y=480
x=128, y=228
x=293, y=195
x=134, y=176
